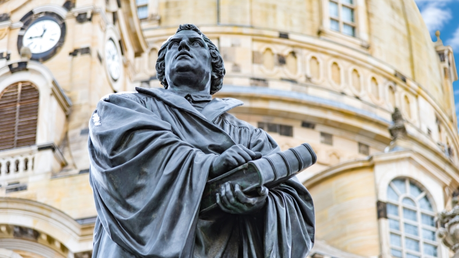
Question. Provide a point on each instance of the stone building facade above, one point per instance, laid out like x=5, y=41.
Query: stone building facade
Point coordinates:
x=327, y=72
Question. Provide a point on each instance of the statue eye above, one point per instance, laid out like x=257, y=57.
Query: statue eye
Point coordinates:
x=173, y=44
x=196, y=43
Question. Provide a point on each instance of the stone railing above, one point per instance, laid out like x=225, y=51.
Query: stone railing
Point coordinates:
x=16, y=163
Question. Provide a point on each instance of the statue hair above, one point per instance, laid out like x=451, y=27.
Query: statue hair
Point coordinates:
x=218, y=68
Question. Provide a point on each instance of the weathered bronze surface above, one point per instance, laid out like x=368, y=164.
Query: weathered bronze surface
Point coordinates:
x=152, y=153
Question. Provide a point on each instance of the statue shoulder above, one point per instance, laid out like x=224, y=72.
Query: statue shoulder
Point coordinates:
x=234, y=121
x=121, y=97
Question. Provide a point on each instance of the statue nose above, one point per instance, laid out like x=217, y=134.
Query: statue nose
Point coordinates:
x=183, y=45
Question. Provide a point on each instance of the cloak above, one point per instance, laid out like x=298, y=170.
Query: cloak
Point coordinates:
x=151, y=152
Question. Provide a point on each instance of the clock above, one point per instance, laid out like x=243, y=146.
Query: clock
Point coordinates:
x=43, y=34
x=113, y=59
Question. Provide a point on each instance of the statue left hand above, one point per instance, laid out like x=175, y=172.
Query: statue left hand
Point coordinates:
x=233, y=200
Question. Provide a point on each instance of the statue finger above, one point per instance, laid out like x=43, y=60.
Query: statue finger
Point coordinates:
x=238, y=160
x=253, y=155
x=229, y=193
x=244, y=155
x=263, y=191
x=221, y=205
x=241, y=197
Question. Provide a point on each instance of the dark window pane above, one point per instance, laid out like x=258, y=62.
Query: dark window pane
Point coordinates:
x=391, y=194
x=347, y=14
x=396, y=253
x=415, y=191
x=333, y=9
x=428, y=234
x=326, y=138
x=349, y=30
x=409, y=214
x=409, y=202
x=400, y=185
x=286, y=130
x=263, y=125
x=364, y=149
x=334, y=25
x=142, y=12
x=428, y=220
x=394, y=224
x=412, y=244
x=308, y=125
x=425, y=204
x=274, y=128
x=392, y=209
x=410, y=229
x=430, y=250
x=395, y=240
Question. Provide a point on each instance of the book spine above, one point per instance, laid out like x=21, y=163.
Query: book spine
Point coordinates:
x=278, y=167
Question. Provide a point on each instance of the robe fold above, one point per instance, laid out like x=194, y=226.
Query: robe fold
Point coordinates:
x=150, y=155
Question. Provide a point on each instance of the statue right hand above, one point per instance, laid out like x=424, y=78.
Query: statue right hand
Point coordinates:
x=231, y=158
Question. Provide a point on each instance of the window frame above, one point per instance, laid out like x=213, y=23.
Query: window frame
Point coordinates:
x=340, y=20
x=361, y=38
x=138, y=6
x=402, y=233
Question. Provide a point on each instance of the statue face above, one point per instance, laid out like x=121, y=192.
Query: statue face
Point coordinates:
x=188, y=63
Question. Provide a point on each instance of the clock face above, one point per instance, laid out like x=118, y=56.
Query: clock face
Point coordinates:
x=42, y=36
x=43, y=33
x=113, y=59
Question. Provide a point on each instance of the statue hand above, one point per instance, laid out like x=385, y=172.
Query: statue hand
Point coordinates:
x=233, y=200
x=231, y=158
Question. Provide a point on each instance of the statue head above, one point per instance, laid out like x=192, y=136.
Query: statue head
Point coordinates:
x=189, y=57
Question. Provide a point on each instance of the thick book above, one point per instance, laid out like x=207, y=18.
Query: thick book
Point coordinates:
x=267, y=171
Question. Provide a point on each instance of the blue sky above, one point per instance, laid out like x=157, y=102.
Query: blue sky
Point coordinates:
x=443, y=15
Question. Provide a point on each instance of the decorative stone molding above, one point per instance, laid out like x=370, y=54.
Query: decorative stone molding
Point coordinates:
x=4, y=253
x=397, y=129
x=449, y=230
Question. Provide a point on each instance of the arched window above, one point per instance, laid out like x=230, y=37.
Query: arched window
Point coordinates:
x=411, y=221
x=18, y=115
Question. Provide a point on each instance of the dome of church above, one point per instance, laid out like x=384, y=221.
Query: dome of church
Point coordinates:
x=387, y=34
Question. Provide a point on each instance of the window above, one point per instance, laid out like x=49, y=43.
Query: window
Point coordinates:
x=326, y=138
x=142, y=9
x=309, y=125
x=285, y=130
x=342, y=16
x=364, y=149
x=411, y=221
x=18, y=115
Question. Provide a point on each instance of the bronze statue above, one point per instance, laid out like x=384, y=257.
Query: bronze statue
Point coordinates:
x=153, y=152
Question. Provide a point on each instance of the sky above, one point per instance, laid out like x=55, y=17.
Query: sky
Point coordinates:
x=443, y=15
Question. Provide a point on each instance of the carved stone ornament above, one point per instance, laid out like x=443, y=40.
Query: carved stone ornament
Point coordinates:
x=397, y=129
x=449, y=229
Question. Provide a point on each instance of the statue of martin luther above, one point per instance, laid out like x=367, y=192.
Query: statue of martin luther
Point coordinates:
x=153, y=151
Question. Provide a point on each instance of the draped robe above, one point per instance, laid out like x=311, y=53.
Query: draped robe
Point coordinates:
x=151, y=152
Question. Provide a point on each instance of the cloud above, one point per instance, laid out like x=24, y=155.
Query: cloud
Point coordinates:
x=454, y=41
x=434, y=13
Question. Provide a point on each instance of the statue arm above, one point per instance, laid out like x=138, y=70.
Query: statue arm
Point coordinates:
x=145, y=178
